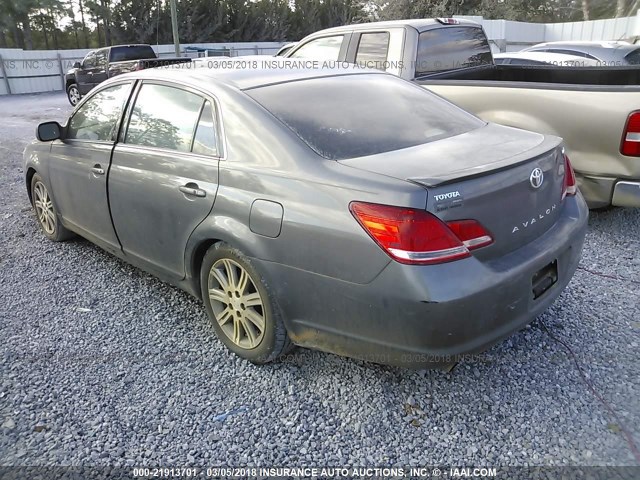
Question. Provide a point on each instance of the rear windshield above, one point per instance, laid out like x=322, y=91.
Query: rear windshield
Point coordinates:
x=634, y=57
x=351, y=116
x=449, y=48
x=133, y=52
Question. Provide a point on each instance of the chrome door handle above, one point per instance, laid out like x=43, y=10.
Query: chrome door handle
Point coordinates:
x=192, y=190
x=98, y=170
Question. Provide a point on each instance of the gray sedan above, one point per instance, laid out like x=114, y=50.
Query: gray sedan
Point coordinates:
x=348, y=211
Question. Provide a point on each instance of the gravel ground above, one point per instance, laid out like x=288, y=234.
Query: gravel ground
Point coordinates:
x=102, y=364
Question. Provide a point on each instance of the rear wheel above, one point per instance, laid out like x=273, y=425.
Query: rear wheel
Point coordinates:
x=46, y=211
x=73, y=94
x=244, y=313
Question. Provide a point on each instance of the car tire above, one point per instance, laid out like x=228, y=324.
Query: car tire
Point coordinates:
x=73, y=94
x=46, y=212
x=244, y=313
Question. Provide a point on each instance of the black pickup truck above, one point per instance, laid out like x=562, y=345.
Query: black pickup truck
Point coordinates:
x=98, y=65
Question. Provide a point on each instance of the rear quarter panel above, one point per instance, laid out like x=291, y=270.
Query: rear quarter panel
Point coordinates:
x=266, y=161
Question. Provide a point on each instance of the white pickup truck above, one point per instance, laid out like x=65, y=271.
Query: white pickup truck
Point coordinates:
x=595, y=109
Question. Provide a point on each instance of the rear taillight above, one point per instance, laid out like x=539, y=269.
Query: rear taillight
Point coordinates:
x=630, y=145
x=418, y=237
x=472, y=234
x=569, y=186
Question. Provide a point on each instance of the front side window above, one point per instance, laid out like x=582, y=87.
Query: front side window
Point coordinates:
x=349, y=116
x=450, y=48
x=97, y=119
x=327, y=48
x=164, y=117
x=372, y=50
x=89, y=61
x=101, y=58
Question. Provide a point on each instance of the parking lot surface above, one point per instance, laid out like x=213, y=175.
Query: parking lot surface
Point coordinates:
x=102, y=364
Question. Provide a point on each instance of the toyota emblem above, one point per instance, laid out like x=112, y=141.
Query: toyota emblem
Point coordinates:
x=536, y=178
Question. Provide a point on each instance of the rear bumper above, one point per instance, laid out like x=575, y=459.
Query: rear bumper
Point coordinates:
x=417, y=316
x=608, y=191
x=626, y=194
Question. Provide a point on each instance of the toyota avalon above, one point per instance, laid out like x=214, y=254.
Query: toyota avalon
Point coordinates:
x=348, y=211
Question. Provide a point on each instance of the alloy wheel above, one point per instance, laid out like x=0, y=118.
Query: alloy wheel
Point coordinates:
x=236, y=303
x=74, y=96
x=44, y=208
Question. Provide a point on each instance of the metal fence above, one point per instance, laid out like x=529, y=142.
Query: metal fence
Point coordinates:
x=33, y=71
x=511, y=36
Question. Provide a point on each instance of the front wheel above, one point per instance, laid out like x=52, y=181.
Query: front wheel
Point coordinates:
x=73, y=94
x=46, y=211
x=243, y=311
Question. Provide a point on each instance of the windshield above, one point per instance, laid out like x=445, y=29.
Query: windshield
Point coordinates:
x=449, y=48
x=132, y=52
x=351, y=116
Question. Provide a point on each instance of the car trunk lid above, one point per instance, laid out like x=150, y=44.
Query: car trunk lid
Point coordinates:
x=507, y=179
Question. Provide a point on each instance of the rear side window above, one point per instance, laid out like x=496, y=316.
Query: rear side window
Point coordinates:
x=132, y=52
x=164, y=117
x=450, y=48
x=633, y=58
x=575, y=53
x=97, y=119
x=326, y=48
x=525, y=61
x=205, y=141
x=372, y=50
x=349, y=116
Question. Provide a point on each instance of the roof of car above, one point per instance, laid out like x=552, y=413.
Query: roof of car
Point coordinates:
x=546, y=57
x=419, y=24
x=585, y=43
x=243, y=78
x=619, y=49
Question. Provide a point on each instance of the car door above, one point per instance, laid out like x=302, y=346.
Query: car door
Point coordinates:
x=84, y=75
x=164, y=174
x=79, y=163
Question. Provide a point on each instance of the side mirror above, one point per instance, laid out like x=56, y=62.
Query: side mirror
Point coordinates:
x=49, y=131
x=77, y=65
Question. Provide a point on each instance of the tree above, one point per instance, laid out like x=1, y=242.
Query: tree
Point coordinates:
x=84, y=25
x=585, y=10
x=100, y=11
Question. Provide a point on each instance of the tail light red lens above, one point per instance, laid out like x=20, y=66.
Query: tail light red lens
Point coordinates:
x=569, y=187
x=472, y=234
x=630, y=145
x=415, y=236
